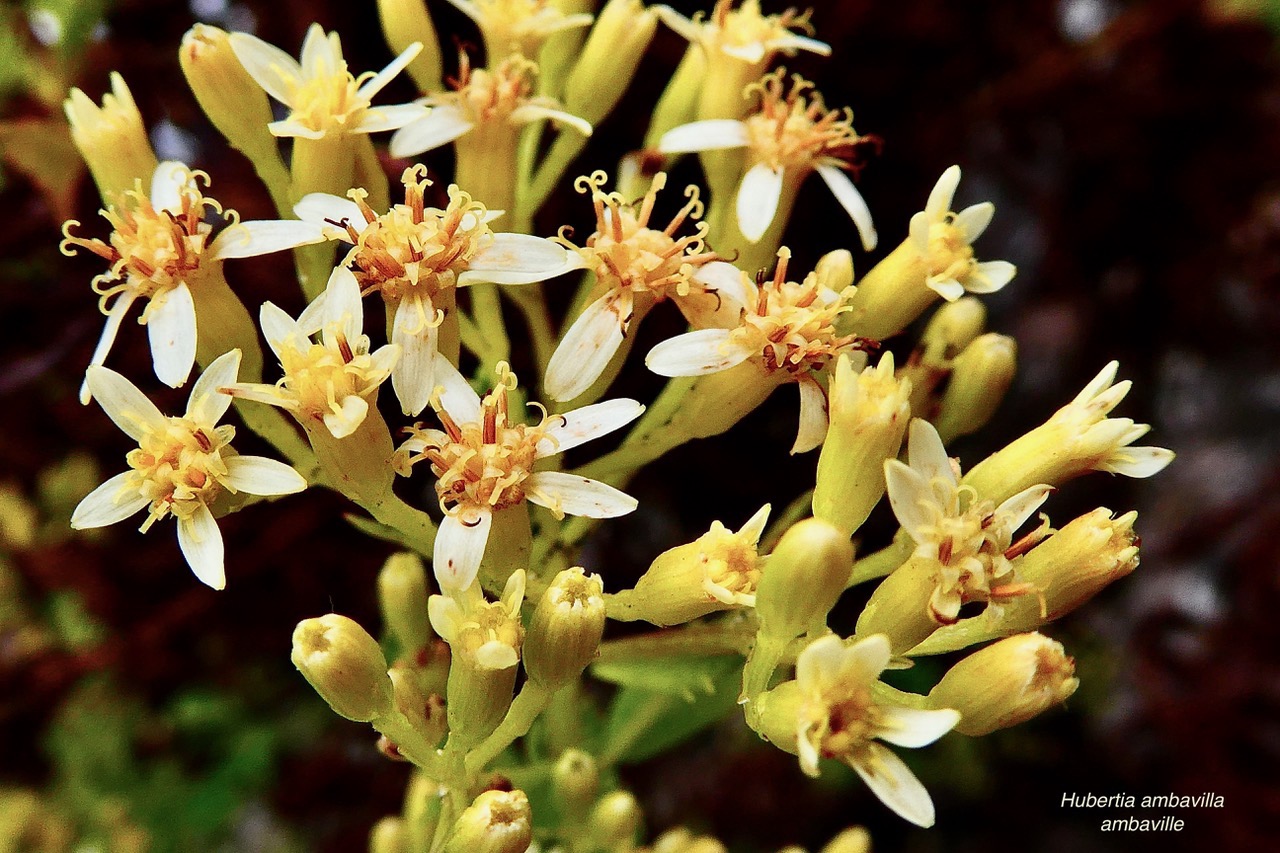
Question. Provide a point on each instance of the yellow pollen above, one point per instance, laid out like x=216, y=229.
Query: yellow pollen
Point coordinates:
x=843, y=726
x=747, y=26
x=178, y=468
x=731, y=560
x=489, y=96
x=949, y=255
x=794, y=129
x=326, y=102
x=317, y=377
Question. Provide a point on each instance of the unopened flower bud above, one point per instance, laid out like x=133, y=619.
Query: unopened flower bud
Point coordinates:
x=1006, y=683
x=951, y=328
x=980, y=377
x=389, y=835
x=681, y=840
x=615, y=820
x=345, y=666
x=609, y=59
x=424, y=711
x=717, y=571
x=497, y=822
x=575, y=779
x=566, y=628
x=405, y=22
x=834, y=270
x=803, y=579
x=899, y=607
x=402, y=593
x=869, y=413
x=855, y=839
x=111, y=138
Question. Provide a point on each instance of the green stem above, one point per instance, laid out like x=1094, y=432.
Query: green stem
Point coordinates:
x=697, y=640
x=881, y=563
x=531, y=701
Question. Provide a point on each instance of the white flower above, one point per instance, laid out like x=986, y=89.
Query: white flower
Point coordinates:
x=181, y=465
x=322, y=95
x=841, y=717
x=787, y=138
x=413, y=254
x=331, y=382
x=159, y=250
x=488, y=634
x=950, y=523
x=501, y=96
x=944, y=240
x=483, y=463
x=521, y=26
x=744, y=34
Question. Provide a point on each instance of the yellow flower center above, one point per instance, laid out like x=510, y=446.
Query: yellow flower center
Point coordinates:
x=731, y=560
x=328, y=99
x=414, y=248
x=949, y=255
x=626, y=254
x=792, y=131
x=487, y=623
x=178, y=467
x=150, y=251
x=793, y=325
x=842, y=726
x=317, y=378
x=517, y=25
x=490, y=96
x=745, y=26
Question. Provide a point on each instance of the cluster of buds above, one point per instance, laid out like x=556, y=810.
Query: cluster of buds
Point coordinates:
x=515, y=623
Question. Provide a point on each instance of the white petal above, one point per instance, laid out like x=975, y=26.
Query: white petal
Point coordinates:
x=166, y=186
x=515, y=259
x=727, y=280
x=574, y=495
x=171, y=329
x=262, y=237
x=343, y=308
x=586, y=348
x=201, y=543
x=277, y=326
x=319, y=59
x=374, y=85
x=697, y=353
x=111, y=502
x=910, y=496
x=974, y=219
x=582, y=425
x=267, y=64
x=918, y=232
x=791, y=41
x=925, y=452
x=459, y=548
x=948, y=288
x=326, y=207
x=206, y=406
x=392, y=117
x=457, y=397
x=442, y=126
x=1097, y=384
x=914, y=728
x=1138, y=462
x=940, y=197
x=709, y=135
x=352, y=412
x=289, y=128
x=127, y=407
x=852, y=202
x=692, y=32
x=820, y=662
x=895, y=785
x=415, y=332
x=1017, y=509
x=258, y=475
x=313, y=317
x=534, y=112
x=813, y=416
x=758, y=200
x=751, y=52
x=990, y=276
x=109, y=331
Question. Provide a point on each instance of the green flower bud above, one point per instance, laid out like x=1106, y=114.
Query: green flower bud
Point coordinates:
x=111, y=138
x=497, y=822
x=389, y=835
x=615, y=820
x=402, y=594
x=855, y=839
x=980, y=377
x=1006, y=683
x=345, y=666
x=424, y=711
x=609, y=59
x=405, y=22
x=566, y=628
x=575, y=779
x=803, y=578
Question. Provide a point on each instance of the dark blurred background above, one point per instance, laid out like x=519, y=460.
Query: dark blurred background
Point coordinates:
x=1133, y=153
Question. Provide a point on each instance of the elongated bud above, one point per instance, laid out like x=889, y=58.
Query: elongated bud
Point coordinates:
x=678, y=103
x=717, y=571
x=389, y=835
x=575, y=779
x=402, y=593
x=345, y=666
x=855, y=839
x=497, y=822
x=835, y=270
x=1006, y=683
x=566, y=628
x=424, y=711
x=803, y=579
x=899, y=607
x=980, y=377
x=111, y=138
x=890, y=295
x=405, y=22
x=609, y=59
x=953, y=327
x=615, y=820
x=869, y=413
x=681, y=840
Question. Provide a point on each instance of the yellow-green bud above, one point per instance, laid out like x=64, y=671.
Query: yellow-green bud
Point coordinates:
x=389, y=835
x=615, y=820
x=575, y=780
x=344, y=664
x=855, y=839
x=890, y=295
x=402, y=593
x=681, y=840
x=803, y=578
x=496, y=822
x=111, y=138
x=566, y=628
x=776, y=715
x=835, y=269
x=679, y=100
x=717, y=571
x=609, y=59
x=405, y=22
x=1006, y=683
x=424, y=711
x=869, y=413
x=980, y=377
x=953, y=327
x=899, y=607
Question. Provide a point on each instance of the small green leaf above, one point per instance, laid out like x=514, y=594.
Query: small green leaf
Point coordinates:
x=686, y=677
